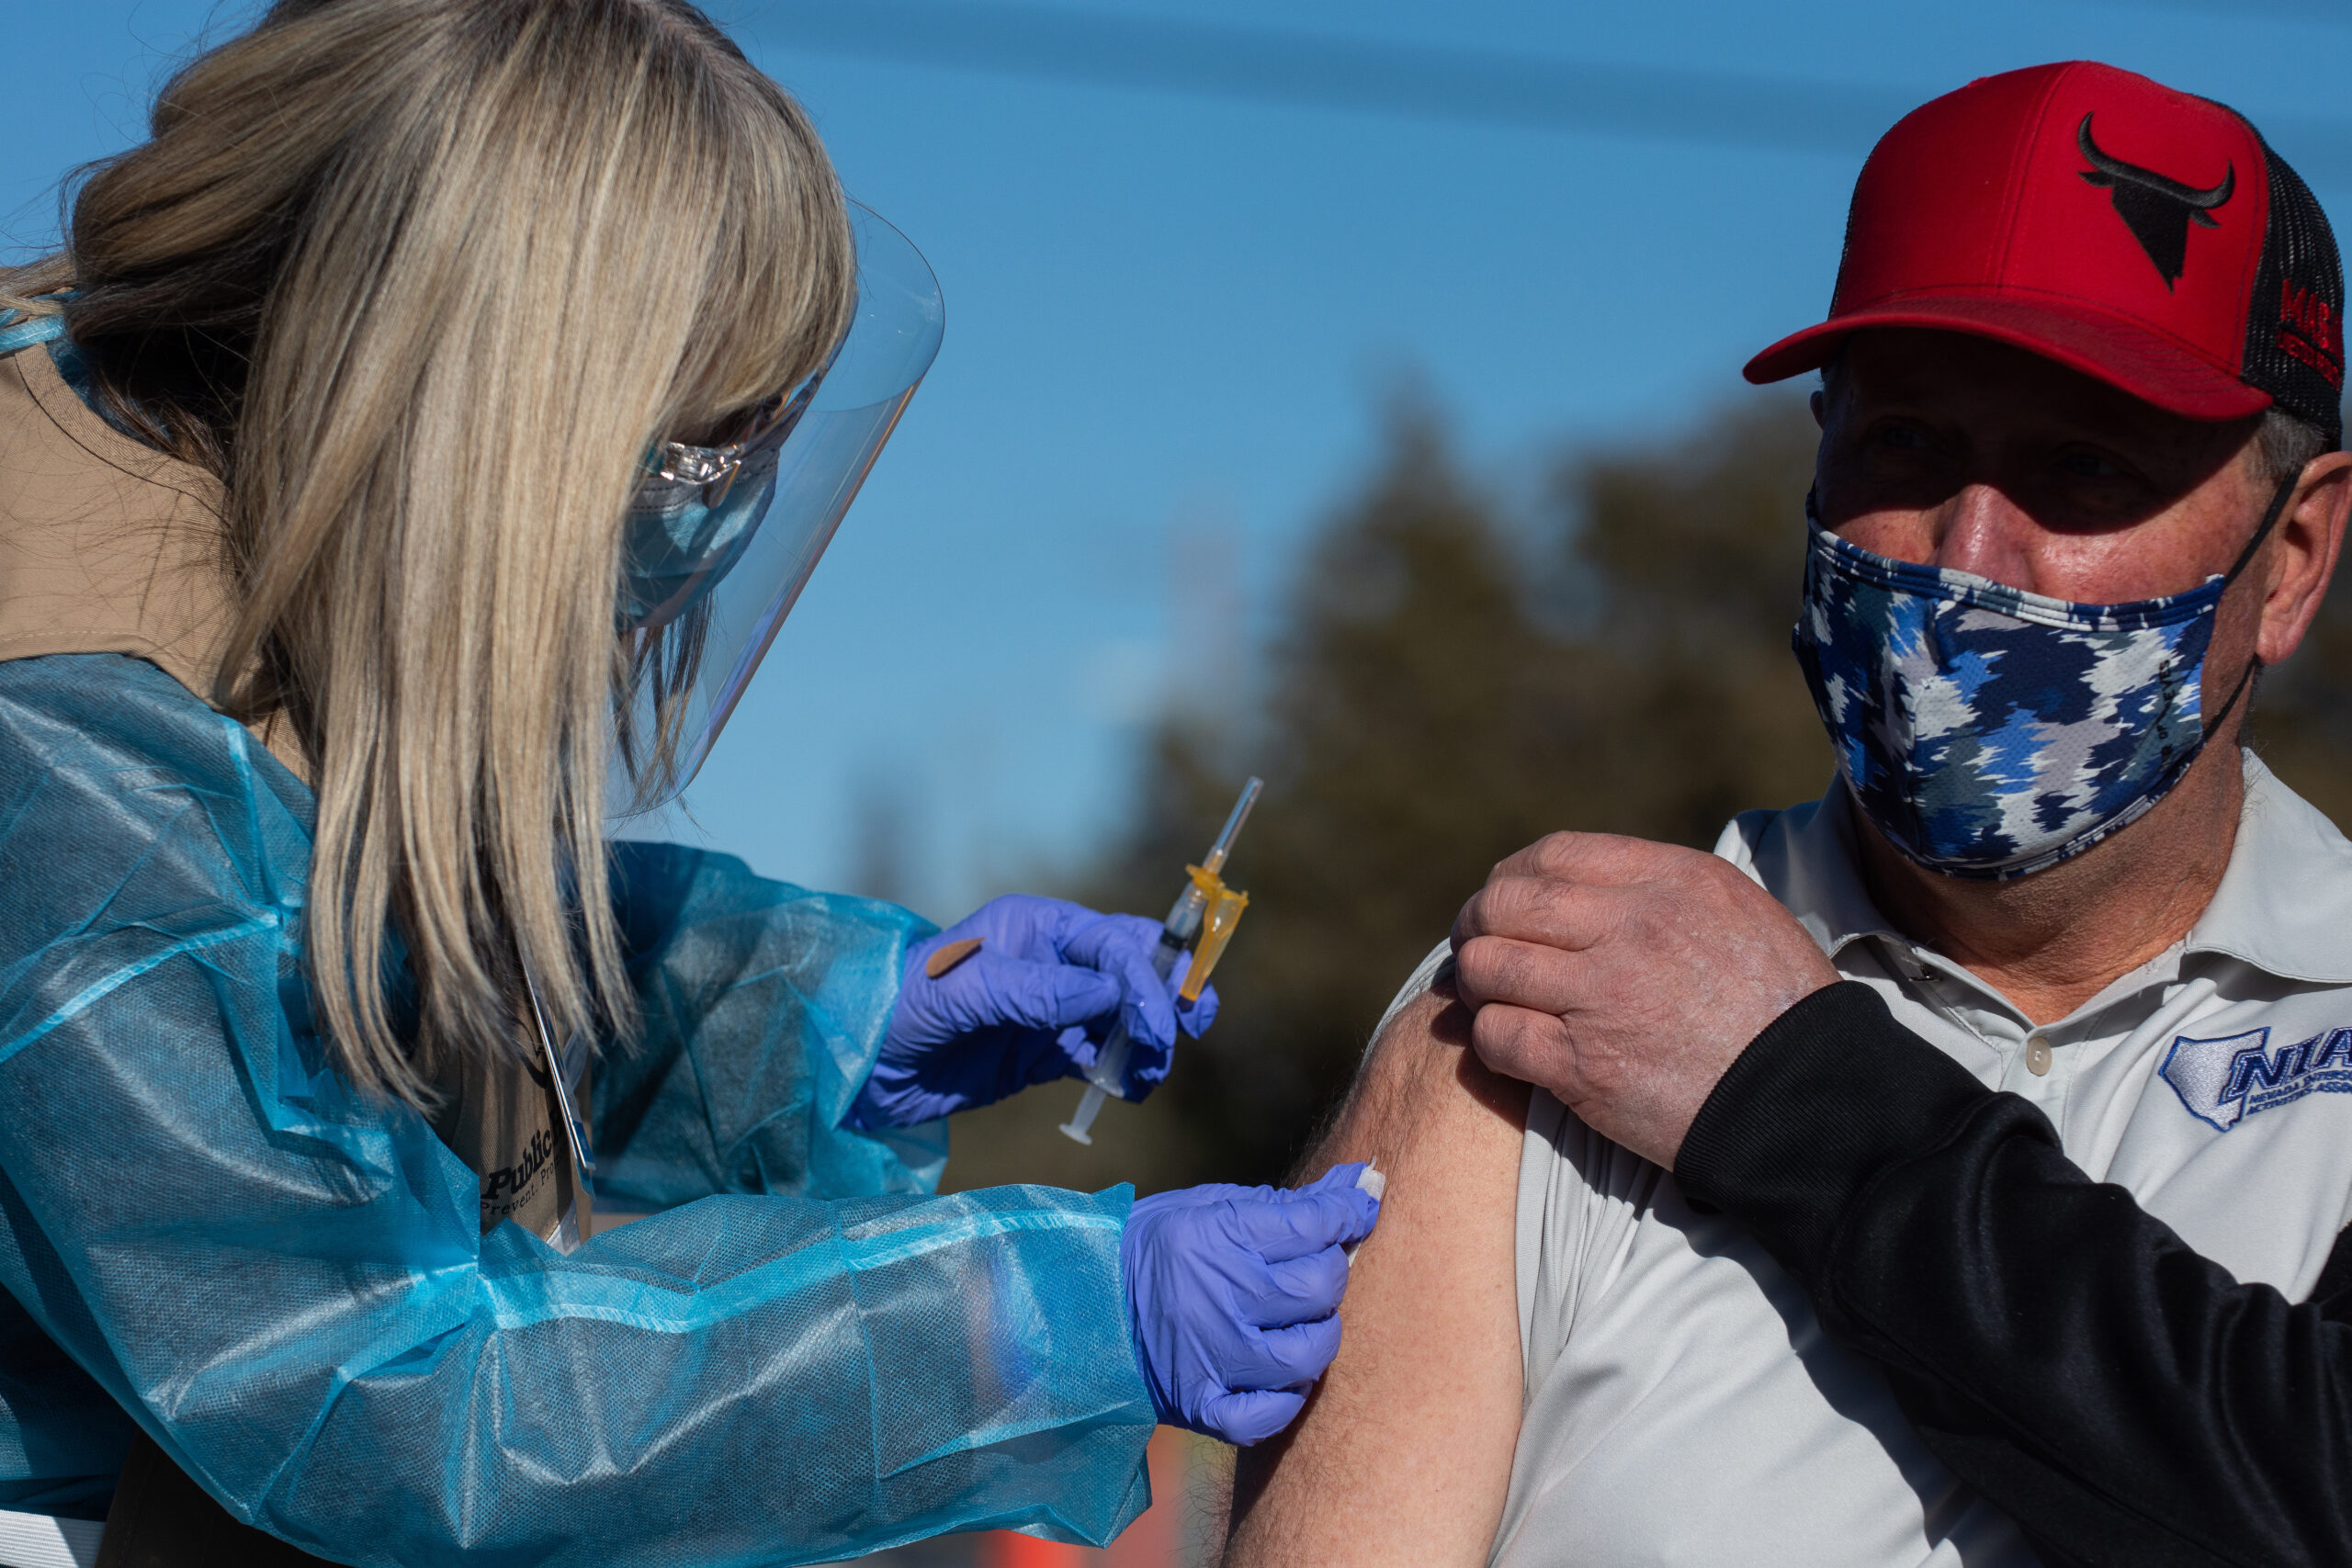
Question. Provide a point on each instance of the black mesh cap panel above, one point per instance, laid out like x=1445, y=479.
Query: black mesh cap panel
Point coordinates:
x=2294, y=326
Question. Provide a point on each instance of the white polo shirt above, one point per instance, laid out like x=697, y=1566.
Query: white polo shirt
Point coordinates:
x=1682, y=1404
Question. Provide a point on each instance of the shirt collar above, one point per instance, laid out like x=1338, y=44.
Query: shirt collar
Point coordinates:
x=1806, y=857
x=2284, y=904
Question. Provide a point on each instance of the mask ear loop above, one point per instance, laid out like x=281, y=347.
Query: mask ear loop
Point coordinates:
x=2269, y=521
x=2245, y=557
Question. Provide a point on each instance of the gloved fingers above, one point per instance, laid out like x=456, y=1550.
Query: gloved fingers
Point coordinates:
x=1290, y=1357
x=1022, y=925
x=993, y=988
x=1146, y=1003
x=1092, y=939
x=1251, y=1416
x=1297, y=1289
x=1195, y=1016
x=1074, y=1051
x=1040, y=1057
x=1342, y=1176
x=1122, y=946
x=1198, y=1014
x=1294, y=1224
x=1148, y=1068
x=1195, y=1197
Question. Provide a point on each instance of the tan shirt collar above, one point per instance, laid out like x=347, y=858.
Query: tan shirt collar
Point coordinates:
x=106, y=545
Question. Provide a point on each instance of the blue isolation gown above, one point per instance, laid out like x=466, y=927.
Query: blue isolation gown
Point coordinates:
x=205, y=1229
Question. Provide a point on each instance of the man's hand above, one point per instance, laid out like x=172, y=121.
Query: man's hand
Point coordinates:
x=1626, y=976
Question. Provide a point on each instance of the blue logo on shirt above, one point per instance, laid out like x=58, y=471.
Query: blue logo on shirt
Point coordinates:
x=2224, y=1080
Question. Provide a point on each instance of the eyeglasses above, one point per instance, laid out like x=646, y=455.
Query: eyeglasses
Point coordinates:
x=759, y=429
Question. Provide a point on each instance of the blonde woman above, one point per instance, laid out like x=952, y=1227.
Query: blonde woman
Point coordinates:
x=407, y=457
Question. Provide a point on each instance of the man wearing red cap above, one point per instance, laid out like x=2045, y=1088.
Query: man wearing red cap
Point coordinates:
x=1799, y=1253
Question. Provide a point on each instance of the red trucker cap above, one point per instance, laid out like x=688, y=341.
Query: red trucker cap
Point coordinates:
x=2127, y=230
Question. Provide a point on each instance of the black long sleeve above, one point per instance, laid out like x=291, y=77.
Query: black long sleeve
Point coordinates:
x=2125, y=1400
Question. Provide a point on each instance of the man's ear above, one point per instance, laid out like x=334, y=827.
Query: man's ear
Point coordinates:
x=2308, y=541
x=1820, y=407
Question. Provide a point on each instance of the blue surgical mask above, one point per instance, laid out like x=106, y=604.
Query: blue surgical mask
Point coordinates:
x=696, y=509
x=1989, y=732
x=678, y=544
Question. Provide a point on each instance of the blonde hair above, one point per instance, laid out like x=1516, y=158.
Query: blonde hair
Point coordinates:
x=422, y=281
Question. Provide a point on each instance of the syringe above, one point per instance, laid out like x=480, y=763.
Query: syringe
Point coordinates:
x=1205, y=909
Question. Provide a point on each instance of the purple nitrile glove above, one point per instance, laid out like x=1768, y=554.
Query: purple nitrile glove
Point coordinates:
x=1234, y=1293
x=1034, y=1003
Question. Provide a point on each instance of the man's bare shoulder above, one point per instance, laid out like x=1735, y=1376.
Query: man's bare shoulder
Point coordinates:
x=1420, y=1074
x=1403, y=1455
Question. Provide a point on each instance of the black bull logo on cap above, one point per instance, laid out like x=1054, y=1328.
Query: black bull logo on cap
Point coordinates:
x=2157, y=210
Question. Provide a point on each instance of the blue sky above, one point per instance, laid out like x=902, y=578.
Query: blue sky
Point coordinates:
x=1170, y=316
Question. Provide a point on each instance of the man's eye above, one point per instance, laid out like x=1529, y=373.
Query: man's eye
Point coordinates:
x=1902, y=438
x=2088, y=466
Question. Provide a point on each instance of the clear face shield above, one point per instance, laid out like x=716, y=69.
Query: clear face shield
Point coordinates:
x=720, y=540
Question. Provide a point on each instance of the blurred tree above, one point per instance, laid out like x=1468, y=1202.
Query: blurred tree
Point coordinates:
x=1693, y=555
x=885, y=821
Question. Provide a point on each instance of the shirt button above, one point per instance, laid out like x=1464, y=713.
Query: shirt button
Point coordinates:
x=2037, y=1056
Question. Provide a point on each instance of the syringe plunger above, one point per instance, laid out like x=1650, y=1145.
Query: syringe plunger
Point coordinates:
x=1090, y=1105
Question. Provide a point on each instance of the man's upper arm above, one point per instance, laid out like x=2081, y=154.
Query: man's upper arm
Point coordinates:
x=1404, y=1452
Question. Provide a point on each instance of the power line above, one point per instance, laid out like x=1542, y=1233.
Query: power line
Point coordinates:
x=1439, y=82
x=1326, y=72
x=2319, y=13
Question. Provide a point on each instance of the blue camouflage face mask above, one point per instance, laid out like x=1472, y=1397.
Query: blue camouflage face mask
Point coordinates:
x=1989, y=732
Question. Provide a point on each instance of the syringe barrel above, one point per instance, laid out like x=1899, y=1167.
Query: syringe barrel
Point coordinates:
x=1109, y=1072
x=1182, y=924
